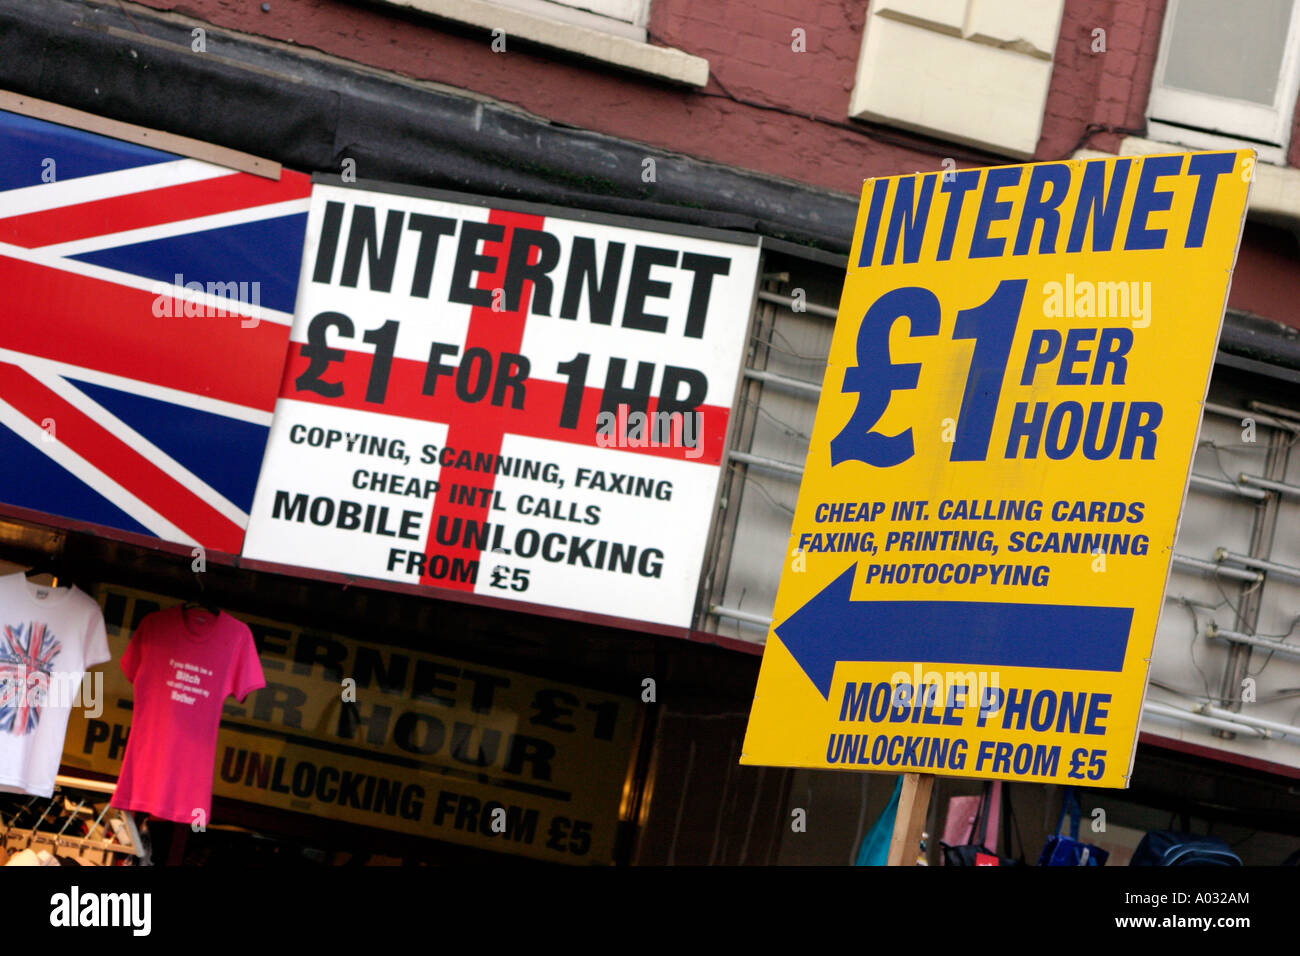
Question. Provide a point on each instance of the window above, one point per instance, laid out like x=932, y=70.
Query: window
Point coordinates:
x=971, y=71
x=1226, y=74
x=609, y=32
x=622, y=17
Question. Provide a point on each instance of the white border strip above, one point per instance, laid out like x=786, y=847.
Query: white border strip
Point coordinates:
x=120, y=182
x=167, y=230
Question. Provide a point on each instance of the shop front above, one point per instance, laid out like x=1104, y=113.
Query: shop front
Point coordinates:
x=362, y=747
x=377, y=566
x=501, y=490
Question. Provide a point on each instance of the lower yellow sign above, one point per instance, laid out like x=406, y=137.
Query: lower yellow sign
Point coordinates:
x=393, y=738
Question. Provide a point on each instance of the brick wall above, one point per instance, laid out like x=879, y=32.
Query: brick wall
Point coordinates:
x=1107, y=89
x=766, y=108
x=792, y=121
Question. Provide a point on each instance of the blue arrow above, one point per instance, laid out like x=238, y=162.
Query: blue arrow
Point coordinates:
x=832, y=628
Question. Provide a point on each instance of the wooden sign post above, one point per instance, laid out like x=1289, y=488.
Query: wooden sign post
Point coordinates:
x=913, y=805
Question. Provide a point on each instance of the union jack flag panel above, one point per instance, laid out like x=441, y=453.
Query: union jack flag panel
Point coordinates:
x=145, y=307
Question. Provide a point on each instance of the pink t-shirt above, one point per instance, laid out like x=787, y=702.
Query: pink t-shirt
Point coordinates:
x=183, y=665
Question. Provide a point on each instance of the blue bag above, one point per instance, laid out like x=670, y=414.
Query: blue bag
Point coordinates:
x=874, y=849
x=1168, y=848
x=1069, y=850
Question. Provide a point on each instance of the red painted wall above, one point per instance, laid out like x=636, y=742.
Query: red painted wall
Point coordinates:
x=766, y=108
x=1107, y=90
x=747, y=43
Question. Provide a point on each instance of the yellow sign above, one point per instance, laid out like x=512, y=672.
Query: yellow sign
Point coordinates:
x=993, y=486
x=415, y=743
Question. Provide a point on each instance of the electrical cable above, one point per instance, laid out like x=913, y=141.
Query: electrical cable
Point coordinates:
x=790, y=350
x=766, y=493
x=791, y=431
x=1191, y=649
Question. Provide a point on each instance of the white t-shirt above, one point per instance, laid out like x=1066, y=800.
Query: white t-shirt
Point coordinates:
x=48, y=637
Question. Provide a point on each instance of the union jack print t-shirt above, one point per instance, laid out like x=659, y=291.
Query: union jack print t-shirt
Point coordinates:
x=48, y=638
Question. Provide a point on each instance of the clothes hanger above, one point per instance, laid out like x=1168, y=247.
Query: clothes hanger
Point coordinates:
x=198, y=599
x=37, y=825
x=99, y=836
x=67, y=823
x=45, y=565
x=94, y=827
x=22, y=811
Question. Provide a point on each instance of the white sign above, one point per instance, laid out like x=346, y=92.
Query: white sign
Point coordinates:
x=505, y=401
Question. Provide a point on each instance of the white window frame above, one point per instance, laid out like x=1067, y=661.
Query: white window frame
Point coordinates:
x=1204, y=120
x=591, y=13
x=974, y=71
x=578, y=32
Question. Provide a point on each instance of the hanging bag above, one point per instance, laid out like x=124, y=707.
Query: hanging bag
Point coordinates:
x=974, y=852
x=1170, y=848
x=1069, y=850
x=874, y=849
